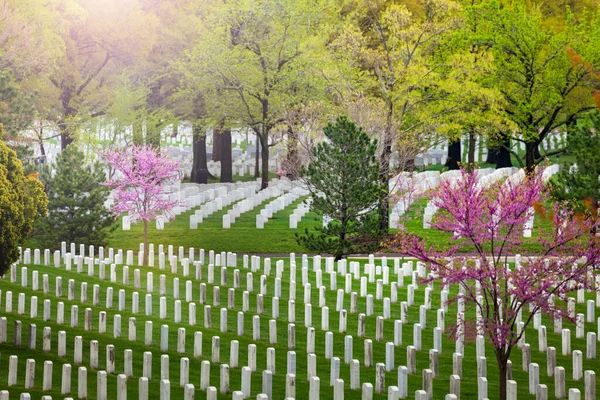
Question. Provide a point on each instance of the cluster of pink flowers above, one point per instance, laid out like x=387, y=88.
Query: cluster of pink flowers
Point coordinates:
x=491, y=221
x=141, y=173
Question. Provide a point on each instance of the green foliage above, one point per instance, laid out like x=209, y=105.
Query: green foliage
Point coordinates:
x=543, y=75
x=76, y=211
x=343, y=178
x=22, y=200
x=16, y=108
x=578, y=182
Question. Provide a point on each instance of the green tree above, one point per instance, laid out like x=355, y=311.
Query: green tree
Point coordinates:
x=255, y=60
x=343, y=181
x=76, y=211
x=109, y=36
x=22, y=201
x=389, y=51
x=579, y=182
x=544, y=75
x=17, y=113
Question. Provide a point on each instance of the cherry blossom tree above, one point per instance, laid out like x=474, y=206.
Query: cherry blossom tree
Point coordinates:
x=141, y=173
x=491, y=217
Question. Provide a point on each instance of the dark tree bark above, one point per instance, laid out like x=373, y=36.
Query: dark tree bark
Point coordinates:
x=454, y=155
x=65, y=138
x=257, y=158
x=531, y=148
x=492, y=155
x=292, y=159
x=264, y=155
x=216, y=148
x=471, y=151
x=226, y=161
x=199, y=173
x=384, y=170
x=503, y=158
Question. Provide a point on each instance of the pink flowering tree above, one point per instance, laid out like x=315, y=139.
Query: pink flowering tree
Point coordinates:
x=491, y=219
x=138, y=183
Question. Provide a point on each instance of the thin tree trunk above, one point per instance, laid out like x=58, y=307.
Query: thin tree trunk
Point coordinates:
x=216, y=149
x=199, y=173
x=257, y=157
x=454, y=155
x=384, y=172
x=226, y=161
x=145, y=260
x=292, y=159
x=41, y=141
x=265, y=164
x=502, y=371
x=472, y=149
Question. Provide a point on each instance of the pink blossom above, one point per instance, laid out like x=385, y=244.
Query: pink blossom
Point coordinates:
x=139, y=182
x=491, y=220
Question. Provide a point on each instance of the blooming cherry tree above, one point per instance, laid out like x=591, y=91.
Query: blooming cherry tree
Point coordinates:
x=491, y=218
x=141, y=173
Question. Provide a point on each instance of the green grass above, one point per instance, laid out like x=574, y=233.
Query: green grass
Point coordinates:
x=276, y=237
x=440, y=385
x=242, y=237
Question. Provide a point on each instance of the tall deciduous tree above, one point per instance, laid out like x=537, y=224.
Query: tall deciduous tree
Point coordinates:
x=111, y=35
x=255, y=61
x=491, y=219
x=139, y=185
x=342, y=180
x=388, y=50
x=543, y=74
x=22, y=201
x=30, y=34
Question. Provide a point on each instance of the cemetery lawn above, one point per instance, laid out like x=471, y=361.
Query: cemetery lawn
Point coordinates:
x=242, y=237
x=440, y=385
x=275, y=238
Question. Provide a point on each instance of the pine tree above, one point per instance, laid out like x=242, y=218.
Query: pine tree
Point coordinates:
x=343, y=181
x=76, y=211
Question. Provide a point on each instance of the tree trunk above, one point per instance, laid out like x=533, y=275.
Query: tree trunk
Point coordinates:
x=257, y=157
x=471, y=151
x=199, y=173
x=226, y=161
x=384, y=178
x=65, y=138
x=492, y=155
x=292, y=159
x=216, y=149
x=502, y=371
x=503, y=157
x=530, y=150
x=145, y=259
x=454, y=155
x=41, y=141
x=265, y=163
